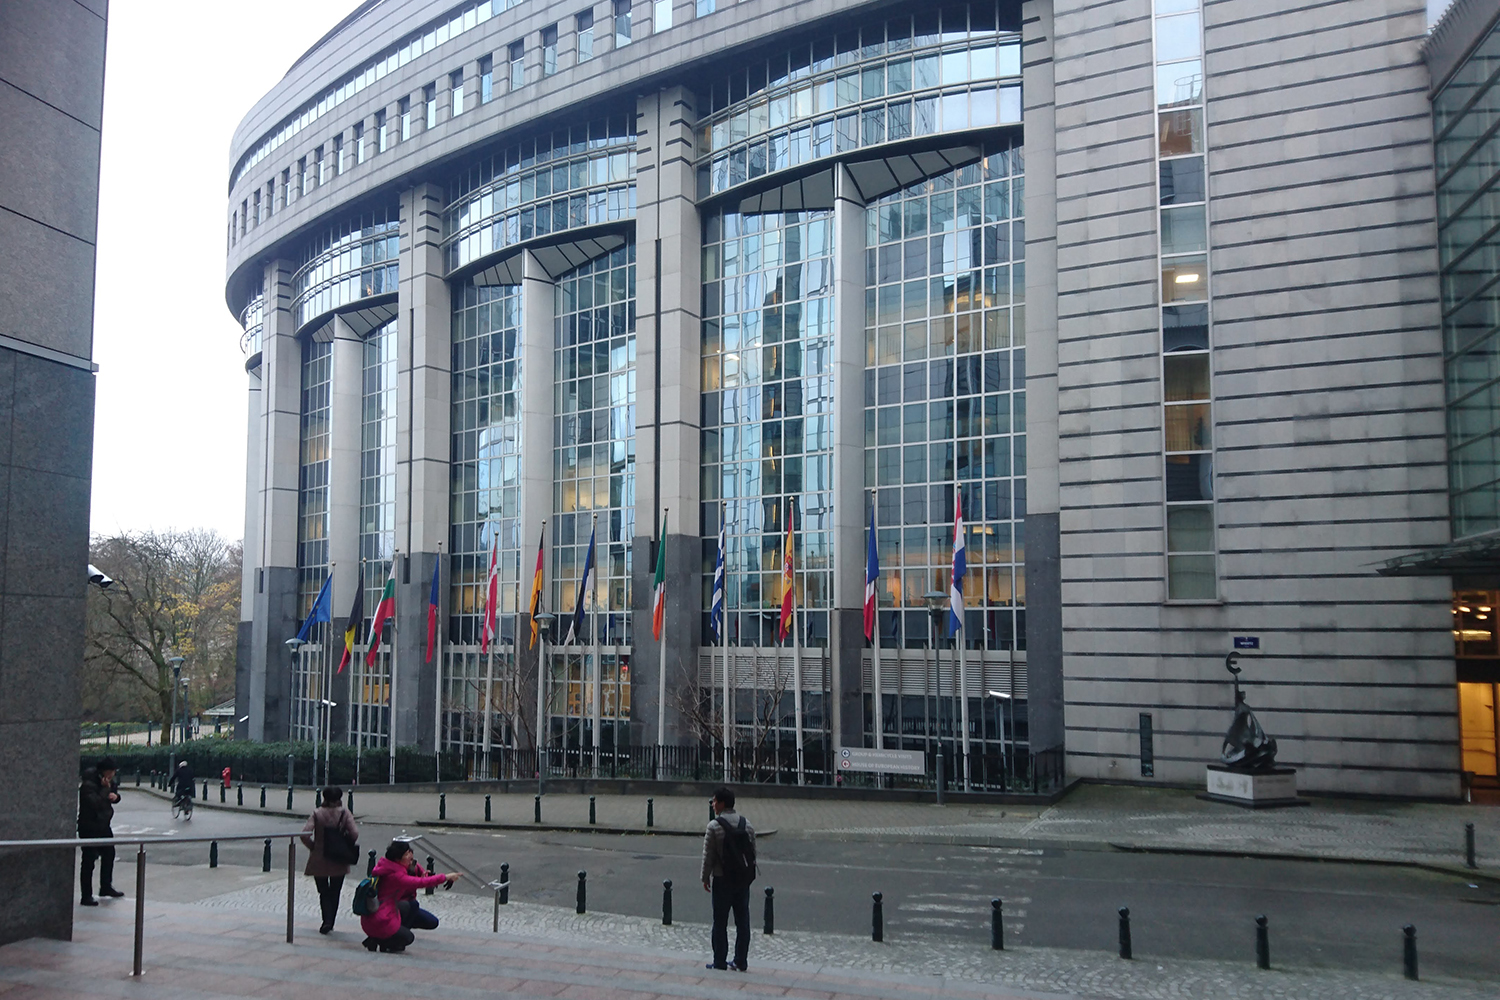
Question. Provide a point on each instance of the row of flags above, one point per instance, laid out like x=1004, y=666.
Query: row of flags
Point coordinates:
x=322, y=609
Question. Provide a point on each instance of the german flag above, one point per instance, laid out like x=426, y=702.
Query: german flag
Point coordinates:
x=356, y=619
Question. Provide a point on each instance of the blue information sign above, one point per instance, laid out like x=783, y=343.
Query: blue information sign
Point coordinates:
x=1247, y=642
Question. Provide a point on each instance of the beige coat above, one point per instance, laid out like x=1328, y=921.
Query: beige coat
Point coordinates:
x=312, y=837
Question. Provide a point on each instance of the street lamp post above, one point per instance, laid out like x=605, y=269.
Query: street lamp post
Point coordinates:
x=937, y=602
x=176, y=664
x=1000, y=699
x=295, y=644
x=544, y=628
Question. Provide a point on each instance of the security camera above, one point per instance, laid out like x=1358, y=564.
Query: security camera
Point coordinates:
x=98, y=579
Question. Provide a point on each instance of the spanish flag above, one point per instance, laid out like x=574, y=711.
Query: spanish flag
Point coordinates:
x=356, y=619
x=536, y=585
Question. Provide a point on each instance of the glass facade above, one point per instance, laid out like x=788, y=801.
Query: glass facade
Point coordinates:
x=945, y=400
x=559, y=181
x=900, y=79
x=312, y=527
x=594, y=474
x=1468, y=199
x=355, y=260
x=253, y=322
x=485, y=504
x=1187, y=361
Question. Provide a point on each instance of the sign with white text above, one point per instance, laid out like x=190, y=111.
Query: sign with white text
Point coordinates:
x=889, y=761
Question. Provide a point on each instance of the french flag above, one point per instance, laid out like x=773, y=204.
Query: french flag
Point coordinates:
x=960, y=564
x=872, y=576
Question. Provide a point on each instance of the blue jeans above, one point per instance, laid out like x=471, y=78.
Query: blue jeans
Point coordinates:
x=415, y=917
x=725, y=899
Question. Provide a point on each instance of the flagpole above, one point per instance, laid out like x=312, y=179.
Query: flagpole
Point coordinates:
x=358, y=729
x=959, y=637
x=875, y=650
x=796, y=636
x=489, y=678
x=437, y=701
x=541, y=673
x=724, y=631
x=327, y=673
x=598, y=663
x=315, y=722
x=391, y=690
x=661, y=668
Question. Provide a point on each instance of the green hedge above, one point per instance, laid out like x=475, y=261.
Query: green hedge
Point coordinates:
x=265, y=763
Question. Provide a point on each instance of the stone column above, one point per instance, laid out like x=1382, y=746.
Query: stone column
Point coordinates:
x=250, y=547
x=423, y=366
x=846, y=624
x=275, y=617
x=536, y=349
x=1043, y=499
x=345, y=452
x=668, y=376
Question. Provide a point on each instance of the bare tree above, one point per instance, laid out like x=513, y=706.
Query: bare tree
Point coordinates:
x=701, y=707
x=176, y=593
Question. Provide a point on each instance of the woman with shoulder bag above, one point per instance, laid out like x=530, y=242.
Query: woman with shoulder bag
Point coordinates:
x=332, y=842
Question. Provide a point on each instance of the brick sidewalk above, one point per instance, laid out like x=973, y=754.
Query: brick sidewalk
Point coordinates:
x=231, y=945
x=1092, y=817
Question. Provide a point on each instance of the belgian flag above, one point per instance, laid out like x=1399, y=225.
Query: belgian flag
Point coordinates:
x=356, y=619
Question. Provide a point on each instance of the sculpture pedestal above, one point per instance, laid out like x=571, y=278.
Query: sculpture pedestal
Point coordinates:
x=1253, y=789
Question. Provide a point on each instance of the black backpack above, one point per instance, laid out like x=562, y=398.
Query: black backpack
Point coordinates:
x=738, y=855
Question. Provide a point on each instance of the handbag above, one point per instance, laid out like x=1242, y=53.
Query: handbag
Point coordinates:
x=337, y=847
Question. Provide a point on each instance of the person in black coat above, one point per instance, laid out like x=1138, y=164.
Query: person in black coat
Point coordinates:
x=96, y=808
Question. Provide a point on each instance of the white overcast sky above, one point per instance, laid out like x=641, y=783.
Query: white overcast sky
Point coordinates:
x=169, y=429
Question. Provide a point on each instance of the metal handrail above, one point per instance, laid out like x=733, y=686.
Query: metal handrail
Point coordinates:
x=140, y=869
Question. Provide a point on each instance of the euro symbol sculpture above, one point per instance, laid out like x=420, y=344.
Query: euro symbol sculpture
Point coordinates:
x=1246, y=745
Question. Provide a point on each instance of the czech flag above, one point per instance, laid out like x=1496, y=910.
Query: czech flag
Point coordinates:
x=960, y=564
x=432, y=608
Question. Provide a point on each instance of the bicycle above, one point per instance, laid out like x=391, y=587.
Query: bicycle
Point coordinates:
x=182, y=806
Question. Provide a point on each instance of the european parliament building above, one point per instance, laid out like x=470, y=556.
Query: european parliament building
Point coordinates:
x=1151, y=289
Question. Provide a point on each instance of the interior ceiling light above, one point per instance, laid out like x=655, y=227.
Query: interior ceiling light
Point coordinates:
x=1481, y=617
x=1464, y=609
x=1186, y=279
x=1485, y=607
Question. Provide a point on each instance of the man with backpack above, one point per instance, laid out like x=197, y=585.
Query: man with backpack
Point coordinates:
x=728, y=871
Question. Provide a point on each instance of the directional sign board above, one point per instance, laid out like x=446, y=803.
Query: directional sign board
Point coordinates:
x=1247, y=642
x=889, y=761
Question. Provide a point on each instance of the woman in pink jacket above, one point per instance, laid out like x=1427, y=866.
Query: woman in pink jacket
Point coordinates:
x=383, y=927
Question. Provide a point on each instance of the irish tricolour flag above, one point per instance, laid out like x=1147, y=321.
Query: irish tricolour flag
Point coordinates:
x=384, y=611
x=659, y=600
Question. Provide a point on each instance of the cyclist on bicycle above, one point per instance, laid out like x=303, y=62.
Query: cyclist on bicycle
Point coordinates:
x=182, y=785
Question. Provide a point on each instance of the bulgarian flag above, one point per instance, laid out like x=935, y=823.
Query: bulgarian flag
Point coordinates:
x=384, y=611
x=788, y=584
x=659, y=588
x=356, y=619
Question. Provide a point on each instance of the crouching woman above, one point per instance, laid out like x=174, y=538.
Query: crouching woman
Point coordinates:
x=383, y=927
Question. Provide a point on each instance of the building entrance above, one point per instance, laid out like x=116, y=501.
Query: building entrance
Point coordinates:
x=1478, y=727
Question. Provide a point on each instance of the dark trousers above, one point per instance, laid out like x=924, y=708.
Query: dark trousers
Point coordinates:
x=413, y=916
x=329, y=889
x=106, y=858
x=400, y=939
x=726, y=898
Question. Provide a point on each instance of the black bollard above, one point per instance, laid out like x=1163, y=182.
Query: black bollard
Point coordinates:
x=138, y=777
x=222, y=790
x=592, y=815
x=710, y=812
x=205, y=790
x=666, y=903
x=997, y=927
x=1124, y=932
x=770, y=910
x=239, y=794
x=877, y=918
x=486, y=808
x=504, y=883
x=213, y=854
x=442, y=805
x=1469, y=860
x=288, y=798
x=1409, y=951
x=650, y=813
x=370, y=865
x=262, y=796
x=536, y=809
x=265, y=859
x=583, y=892
x=430, y=863
x=1262, y=942
x=349, y=801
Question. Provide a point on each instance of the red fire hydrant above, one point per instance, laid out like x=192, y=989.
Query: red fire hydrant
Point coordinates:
x=225, y=775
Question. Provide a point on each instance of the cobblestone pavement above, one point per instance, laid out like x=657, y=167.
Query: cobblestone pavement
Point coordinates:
x=1092, y=816
x=918, y=963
